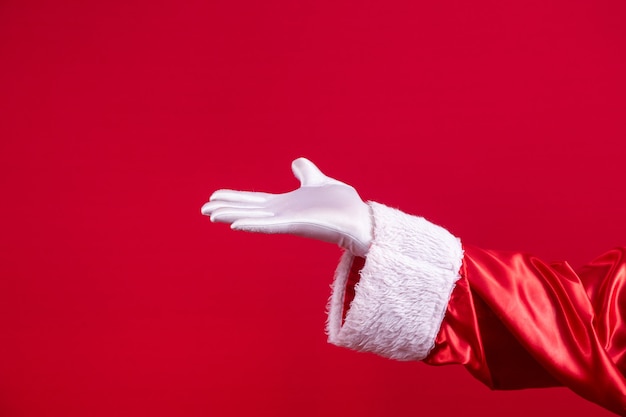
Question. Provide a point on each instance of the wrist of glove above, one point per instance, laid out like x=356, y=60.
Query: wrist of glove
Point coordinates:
x=322, y=208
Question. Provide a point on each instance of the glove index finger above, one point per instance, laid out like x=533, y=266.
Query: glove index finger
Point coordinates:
x=240, y=196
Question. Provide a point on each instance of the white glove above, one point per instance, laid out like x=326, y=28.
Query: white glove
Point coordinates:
x=322, y=208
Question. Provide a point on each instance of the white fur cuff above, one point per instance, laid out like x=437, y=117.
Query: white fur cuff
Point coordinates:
x=403, y=291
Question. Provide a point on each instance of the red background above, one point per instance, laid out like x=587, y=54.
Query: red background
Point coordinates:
x=502, y=121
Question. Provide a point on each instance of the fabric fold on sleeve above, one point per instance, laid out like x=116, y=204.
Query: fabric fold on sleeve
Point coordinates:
x=403, y=288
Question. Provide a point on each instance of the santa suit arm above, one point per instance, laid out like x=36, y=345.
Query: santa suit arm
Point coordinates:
x=511, y=319
x=407, y=289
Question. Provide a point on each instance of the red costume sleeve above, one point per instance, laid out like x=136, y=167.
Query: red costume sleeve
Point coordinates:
x=515, y=321
x=511, y=319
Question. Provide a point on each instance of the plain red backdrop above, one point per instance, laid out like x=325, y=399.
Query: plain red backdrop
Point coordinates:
x=502, y=121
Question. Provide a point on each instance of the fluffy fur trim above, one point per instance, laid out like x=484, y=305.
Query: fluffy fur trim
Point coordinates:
x=403, y=291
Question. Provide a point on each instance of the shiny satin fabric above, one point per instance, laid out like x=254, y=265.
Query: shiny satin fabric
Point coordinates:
x=515, y=322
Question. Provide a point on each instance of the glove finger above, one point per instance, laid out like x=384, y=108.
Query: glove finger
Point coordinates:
x=240, y=196
x=308, y=174
x=262, y=225
x=229, y=215
x=277, y=224
x=211, y=206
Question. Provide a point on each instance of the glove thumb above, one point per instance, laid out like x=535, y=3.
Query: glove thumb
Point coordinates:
x=308, y=174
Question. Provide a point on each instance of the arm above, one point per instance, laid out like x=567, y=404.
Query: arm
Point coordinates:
x=533, y=324
x=511, y=319
x=408, y=290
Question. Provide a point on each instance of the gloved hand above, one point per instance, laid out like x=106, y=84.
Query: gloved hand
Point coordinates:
x=322, y=208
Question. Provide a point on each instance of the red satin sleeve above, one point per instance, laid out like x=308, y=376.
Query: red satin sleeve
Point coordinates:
x=515, y=321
